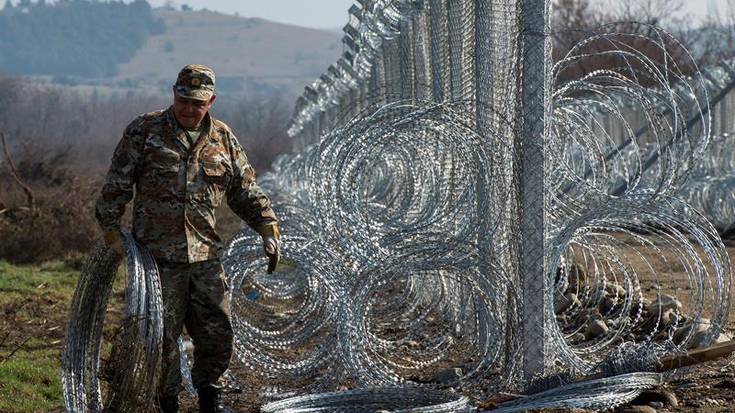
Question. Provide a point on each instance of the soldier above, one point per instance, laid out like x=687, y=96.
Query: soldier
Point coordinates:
x=181, y=162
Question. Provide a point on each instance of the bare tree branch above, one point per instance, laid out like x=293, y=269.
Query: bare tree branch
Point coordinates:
x=12, y=353
x=16, y=176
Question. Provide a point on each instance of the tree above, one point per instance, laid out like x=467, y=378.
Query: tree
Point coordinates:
x=576, y=20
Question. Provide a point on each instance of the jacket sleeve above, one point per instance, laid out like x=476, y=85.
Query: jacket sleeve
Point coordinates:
x=118, y=188
x=244, y=196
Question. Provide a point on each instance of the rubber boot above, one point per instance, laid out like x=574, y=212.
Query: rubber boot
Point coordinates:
x=169, y=404
x=210, y=400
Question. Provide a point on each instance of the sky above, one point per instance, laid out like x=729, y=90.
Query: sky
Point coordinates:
x=320, y=14
x=332, y=14
x=697, y=10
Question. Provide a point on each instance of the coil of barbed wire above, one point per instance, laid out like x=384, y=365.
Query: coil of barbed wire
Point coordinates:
x=598, y=395
x=710, y=186
x=611, y=196
x=428, y=307
x=356, y=191
x=132, y=370
x=393, y=399
x=622, y=120
x=629, y=267
x=285, y=322
x=406, y=170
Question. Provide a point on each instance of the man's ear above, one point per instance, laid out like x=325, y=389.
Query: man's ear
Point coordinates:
x=211, y=101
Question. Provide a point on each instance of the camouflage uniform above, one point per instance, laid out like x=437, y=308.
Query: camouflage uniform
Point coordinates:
x=177, y=189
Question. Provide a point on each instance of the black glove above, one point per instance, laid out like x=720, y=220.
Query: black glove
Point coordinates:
x=271, y=247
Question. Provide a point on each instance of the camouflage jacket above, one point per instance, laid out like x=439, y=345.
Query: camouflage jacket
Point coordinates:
x=177, y=188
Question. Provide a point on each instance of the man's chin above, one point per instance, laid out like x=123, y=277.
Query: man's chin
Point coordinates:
x=188, y=123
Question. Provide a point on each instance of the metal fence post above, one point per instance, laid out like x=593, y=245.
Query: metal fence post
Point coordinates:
x=535, y=104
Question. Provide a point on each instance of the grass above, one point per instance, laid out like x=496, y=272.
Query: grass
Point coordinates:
x=34, y=303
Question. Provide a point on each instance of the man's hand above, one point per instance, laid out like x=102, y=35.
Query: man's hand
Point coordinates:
x=113, y=240
x=270, y=236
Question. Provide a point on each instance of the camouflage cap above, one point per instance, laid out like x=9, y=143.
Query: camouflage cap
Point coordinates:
x=195, y=82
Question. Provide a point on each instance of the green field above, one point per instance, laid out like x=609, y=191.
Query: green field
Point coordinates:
x=34, y=303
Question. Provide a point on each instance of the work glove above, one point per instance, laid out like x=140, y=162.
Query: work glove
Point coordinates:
x=113, y=240
x=271, y=246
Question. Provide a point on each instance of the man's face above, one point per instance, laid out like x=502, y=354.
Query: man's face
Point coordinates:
x=190, y=112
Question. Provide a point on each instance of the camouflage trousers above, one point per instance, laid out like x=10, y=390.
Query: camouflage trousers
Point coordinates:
x=194, y=296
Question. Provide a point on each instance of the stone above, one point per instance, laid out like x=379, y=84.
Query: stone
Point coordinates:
x=577, y=338
x=699, y=340
x=595, y=328
x=656, y=405
x=608, y=303
x=576, y=277
x=565, y=302
x=619, y=322
x=682, y=332
x=637, y=409
x=667, y=318
x=725, y=384
x=615, y=290
x=448, y=376
x=664, y=302
x=663, y=396
x=723, y=338
x=638, y=305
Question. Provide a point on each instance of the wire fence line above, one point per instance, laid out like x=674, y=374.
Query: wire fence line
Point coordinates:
x=617, y=147
x=465, y=213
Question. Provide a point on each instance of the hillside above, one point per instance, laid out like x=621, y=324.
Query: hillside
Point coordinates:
x=129, y=45
x=246, y=53
x=73, y=38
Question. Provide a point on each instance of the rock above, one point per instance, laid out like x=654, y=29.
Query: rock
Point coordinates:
x=664, y=302
x=577, y=338
x=660, y=322
x=725, y=384
x=682, y=332
x=699, y=340
x=663, y=396
x=667, y=318
x=637, y=409
x=565, y=302
x=619, y=322
x=710, y=402
x=594, y=314
x=723, y=338
x=595, y=328
x=615, y=290
x=576, y=277
x=607, y=304
x=448, y=376
x=638, y=305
